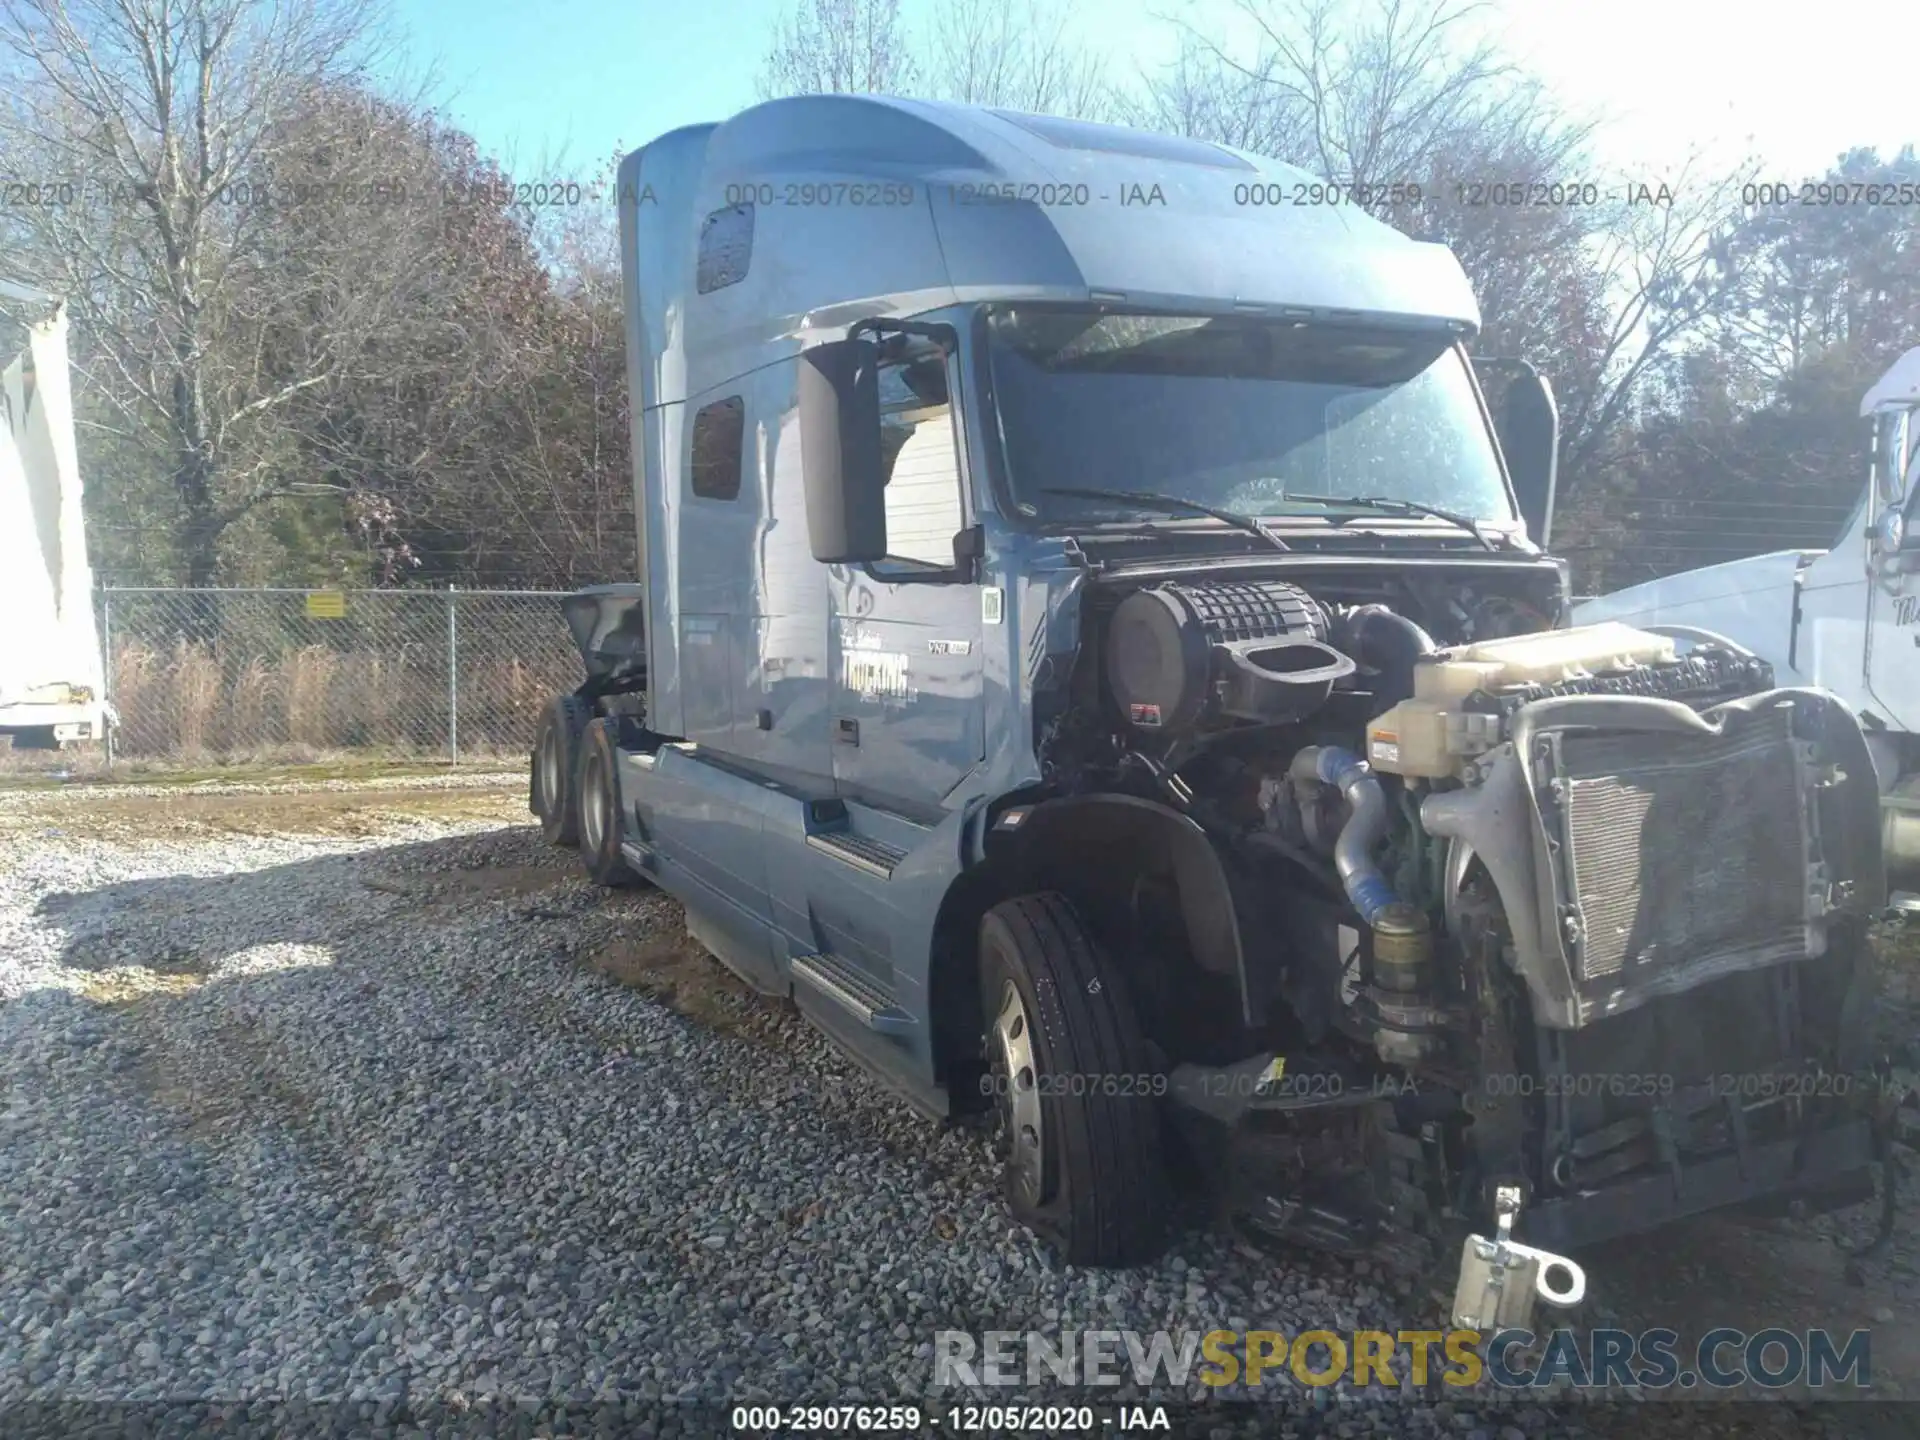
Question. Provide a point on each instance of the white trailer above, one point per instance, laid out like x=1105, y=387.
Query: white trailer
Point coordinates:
x=1845, y=619
x=52, y=674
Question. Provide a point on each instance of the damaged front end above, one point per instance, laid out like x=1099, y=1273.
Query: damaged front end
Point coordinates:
x=1588, y=954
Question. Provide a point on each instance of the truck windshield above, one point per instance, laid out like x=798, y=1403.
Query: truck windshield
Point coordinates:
x=1234, y=412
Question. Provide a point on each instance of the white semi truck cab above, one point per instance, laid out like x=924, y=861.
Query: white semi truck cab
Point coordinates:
x=1846, y=620
x=52, y=675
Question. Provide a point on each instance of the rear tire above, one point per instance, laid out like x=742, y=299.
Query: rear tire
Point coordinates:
x=597, y=814
x=556, y=762
x=1080, y=1117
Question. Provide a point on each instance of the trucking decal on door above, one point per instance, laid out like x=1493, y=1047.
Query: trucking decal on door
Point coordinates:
x=869, y=671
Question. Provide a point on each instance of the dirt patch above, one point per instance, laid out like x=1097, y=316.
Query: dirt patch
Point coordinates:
x=677, y=971
x=41, y=770
x=330, y=813
x=489, y=882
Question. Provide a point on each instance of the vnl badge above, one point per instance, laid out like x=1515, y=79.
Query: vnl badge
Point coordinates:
x=1499, y=1278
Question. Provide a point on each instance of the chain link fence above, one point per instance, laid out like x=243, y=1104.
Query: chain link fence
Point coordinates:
x=231, y=675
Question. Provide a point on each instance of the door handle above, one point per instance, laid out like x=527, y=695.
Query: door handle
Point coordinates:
x=846, y=731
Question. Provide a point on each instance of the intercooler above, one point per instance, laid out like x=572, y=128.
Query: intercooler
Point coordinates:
x=1675, y=858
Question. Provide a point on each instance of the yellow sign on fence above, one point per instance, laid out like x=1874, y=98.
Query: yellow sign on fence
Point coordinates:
x=326, y=605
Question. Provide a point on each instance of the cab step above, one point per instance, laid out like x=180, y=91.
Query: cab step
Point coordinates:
x=863, y=852
x=854, y=991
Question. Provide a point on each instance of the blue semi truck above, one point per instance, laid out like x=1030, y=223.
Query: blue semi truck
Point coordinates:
x=1096, y=655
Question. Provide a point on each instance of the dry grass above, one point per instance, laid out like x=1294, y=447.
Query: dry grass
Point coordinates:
x=195, y=701
x=131, y=983
x=307, y=680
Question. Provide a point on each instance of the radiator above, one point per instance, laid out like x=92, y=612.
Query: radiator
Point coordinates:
x=1679, y=858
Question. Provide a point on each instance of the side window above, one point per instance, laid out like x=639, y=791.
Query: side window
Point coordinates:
x=922, y=454
x=718, y=434
x=726, y=248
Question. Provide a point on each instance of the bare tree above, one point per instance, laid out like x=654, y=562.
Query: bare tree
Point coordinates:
x=1812, y=277
x=1016, y=56
x=167, y=114
x=1203, y=96
x=1438, y=132
x=418, y=316
x=1360, y=94
x=838, y=47
x=1661, y=260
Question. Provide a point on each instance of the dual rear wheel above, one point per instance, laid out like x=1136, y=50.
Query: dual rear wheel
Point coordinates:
x=575, y=787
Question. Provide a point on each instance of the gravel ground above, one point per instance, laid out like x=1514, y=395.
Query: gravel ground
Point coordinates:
x=416, y=1118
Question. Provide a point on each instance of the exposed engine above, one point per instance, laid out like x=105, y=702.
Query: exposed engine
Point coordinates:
x=1182, y=658
x=1463, y=845
x=1187, y=657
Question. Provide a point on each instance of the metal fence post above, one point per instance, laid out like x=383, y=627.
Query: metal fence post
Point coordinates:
x=106, y=662
x=453, y=675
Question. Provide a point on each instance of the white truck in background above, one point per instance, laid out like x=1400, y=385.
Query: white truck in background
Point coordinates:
x=52, y=674
x=1846, y=619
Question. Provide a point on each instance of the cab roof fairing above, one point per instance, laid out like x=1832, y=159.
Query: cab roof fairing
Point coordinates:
x=1141, y=220
x=1899, y=386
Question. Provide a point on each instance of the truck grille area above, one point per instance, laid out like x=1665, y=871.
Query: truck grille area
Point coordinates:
x=1680, y=858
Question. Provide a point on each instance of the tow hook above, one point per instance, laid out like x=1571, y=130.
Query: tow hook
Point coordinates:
x=1500, y=1277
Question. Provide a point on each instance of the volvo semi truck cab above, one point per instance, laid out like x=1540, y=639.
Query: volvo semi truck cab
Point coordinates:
x=1095, y=654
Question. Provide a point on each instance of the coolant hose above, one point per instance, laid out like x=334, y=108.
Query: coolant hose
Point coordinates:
x=1366, y=887
x=1387, y=642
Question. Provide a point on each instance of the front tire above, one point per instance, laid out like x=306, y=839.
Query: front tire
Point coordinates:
x=556, y=762
x=1080, y=1121
x=597, y=812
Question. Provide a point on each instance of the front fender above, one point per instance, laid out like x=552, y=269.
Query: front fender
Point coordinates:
x=1105, y=835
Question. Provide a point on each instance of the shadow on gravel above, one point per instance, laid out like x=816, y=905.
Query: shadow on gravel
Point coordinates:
x=188, y=924
x=180, y=929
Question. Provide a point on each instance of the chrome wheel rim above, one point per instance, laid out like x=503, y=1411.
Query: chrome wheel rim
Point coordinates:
x=596, y=813
x=1021, y=1128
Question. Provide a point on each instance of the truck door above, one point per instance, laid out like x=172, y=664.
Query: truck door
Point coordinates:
x=908, y=710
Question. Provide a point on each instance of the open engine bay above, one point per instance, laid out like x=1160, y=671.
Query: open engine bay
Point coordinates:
x=1518, y=910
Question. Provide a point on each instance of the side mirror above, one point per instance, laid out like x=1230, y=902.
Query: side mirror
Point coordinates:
x=1891, y=430
x=1890, y=533
x=1529, y=429
x=1897, y=530
x=840, y=452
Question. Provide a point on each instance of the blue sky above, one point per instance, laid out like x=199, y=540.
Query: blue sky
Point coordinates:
x=567, y=81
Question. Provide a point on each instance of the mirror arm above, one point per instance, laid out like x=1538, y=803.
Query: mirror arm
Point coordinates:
x=969, y=548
